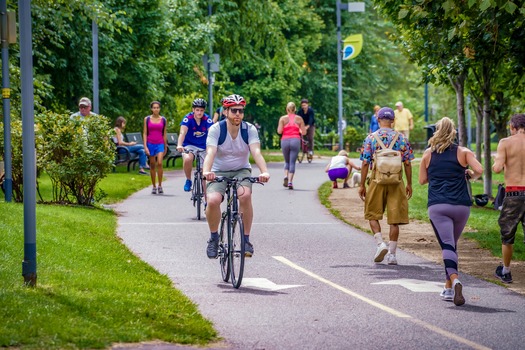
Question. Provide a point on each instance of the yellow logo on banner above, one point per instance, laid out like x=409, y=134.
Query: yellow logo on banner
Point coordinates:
x=352, y=46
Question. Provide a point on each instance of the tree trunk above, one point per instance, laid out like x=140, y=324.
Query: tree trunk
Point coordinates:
x=479, y=129
x=487, y=111
x=458, y=83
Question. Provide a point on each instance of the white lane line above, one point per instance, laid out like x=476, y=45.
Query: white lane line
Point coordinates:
x=341, y=288
x=382, y=307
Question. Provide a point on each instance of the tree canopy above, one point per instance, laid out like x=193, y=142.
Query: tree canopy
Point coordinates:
x=271, y=52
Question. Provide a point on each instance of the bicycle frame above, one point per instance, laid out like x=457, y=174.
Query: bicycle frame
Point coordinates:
x=197, y=191
x=231, y=251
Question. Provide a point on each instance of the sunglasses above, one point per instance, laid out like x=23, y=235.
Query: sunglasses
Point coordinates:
x=237, y=110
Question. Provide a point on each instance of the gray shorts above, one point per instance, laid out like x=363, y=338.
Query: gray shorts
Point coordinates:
x=512, y=213
x=220, y=187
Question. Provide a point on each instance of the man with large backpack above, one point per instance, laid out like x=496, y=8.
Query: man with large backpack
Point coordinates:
x=228, y=148
x=384, y=154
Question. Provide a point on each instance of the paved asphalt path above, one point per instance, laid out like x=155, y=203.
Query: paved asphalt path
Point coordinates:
x=312, y=282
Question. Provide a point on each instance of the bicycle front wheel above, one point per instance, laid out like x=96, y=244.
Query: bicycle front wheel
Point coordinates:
x=236, y=249
x=223, y=249
x=197, y=195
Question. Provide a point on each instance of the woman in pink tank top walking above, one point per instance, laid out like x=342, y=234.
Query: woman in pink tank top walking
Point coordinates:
x=156, y=144
x=291, y=127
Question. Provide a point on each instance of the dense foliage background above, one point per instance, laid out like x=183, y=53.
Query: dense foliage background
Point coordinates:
x=277, y=51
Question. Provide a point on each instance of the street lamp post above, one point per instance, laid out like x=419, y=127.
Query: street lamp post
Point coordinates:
x=350, y=7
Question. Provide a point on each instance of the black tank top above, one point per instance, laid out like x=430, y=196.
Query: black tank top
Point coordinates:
x=446, y=179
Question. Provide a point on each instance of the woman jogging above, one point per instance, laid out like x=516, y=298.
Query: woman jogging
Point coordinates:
x=444, y=167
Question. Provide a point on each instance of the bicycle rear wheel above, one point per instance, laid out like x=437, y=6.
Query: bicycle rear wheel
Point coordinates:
x=236, y=250
x=223, y=249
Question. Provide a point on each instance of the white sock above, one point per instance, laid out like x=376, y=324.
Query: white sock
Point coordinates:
x=379, y=238
x=505, y=270
x=392, y=246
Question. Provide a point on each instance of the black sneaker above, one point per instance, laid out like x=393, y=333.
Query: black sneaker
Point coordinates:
x=213, y=248
x=505, y=278
x=248, y=249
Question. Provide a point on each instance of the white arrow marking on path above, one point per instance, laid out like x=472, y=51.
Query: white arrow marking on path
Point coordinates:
x=266, y=284
x=418, y=286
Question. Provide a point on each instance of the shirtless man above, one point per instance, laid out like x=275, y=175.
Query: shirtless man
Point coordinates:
x=509, y=159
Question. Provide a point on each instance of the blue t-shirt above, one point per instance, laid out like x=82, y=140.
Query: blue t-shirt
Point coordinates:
x=196, y=135
x=374, y=125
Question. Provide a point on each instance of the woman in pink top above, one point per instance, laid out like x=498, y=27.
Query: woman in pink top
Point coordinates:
x=156, y=144
x=291, y=126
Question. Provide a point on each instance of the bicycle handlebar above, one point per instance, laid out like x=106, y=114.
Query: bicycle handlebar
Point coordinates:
x=194, y=152
x=252, y=179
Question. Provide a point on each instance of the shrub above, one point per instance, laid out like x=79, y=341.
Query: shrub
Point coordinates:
x=76, y=153
x=354, y=137
x=17, y=160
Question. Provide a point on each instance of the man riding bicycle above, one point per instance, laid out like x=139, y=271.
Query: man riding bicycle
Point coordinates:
x=193, y=132
x=228, y=155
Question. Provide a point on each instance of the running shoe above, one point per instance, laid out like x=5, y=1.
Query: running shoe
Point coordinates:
x=154, y=190
x=285, y=182
x=248, y=249
x=290, y=186
x=142, y=172
x=447, y=294
x=505, y=278
x=187, y=186
x=380, y=252
x=161, y=191
x=391, y=259
x=346, y=185
x=459, y=299
x=335, y=185
x=213, y=248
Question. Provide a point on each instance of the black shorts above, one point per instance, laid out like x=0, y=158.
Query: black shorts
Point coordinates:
x=512, y=213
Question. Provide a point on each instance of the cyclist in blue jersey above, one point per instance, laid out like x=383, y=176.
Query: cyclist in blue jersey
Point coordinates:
x=193, y=132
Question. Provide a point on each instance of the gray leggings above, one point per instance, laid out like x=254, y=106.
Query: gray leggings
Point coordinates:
x=290, y=148
x=448, y=222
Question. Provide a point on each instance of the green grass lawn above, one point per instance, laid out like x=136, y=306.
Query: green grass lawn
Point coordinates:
x=91, y=290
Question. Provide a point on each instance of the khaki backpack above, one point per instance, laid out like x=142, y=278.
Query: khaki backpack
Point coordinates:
x=388, y=164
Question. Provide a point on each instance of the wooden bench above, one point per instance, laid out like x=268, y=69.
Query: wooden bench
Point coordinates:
x=172, y=154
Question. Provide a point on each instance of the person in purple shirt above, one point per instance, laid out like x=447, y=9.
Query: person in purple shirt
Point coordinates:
x=393, y=197
x=193, y=133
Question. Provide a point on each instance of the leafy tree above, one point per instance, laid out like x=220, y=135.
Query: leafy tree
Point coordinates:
x=454, y=39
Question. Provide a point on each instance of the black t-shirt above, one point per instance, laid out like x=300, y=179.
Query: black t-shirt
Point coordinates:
x=308, y=117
